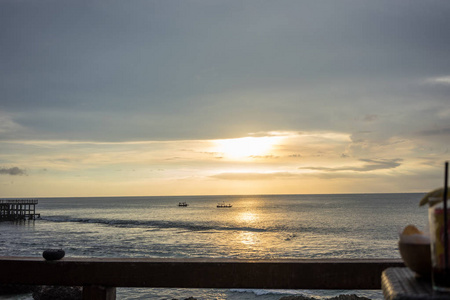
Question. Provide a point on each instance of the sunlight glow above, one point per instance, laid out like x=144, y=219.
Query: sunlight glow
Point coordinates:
x=246, y=147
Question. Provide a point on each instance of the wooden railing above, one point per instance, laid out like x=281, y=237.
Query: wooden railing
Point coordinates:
x=100, y=276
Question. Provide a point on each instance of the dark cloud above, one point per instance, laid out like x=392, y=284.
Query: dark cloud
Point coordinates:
x=160, y=70
x=12, y=171
x=371, y=165
x=437, y=131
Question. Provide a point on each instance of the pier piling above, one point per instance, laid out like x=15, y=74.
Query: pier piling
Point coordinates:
x=18, y=209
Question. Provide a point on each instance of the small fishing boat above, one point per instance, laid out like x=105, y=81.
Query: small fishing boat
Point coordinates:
x=182, y=204
x=223, y=205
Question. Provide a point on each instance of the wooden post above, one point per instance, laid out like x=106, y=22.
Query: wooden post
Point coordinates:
x=98, y=292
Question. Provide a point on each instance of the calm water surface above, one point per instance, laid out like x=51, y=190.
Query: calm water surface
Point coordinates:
x=256, y=227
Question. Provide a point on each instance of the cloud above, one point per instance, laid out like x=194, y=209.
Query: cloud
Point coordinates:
x=8, y=126
x=12, y=171
x=439, y=80
x=263, y=156
x=438, y=131
x=253, y=175
x=206, y=77
x=348, y=175
x=370, y=118
x=371, y=165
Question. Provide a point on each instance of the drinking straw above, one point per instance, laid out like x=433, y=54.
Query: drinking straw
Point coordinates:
x=445, y=218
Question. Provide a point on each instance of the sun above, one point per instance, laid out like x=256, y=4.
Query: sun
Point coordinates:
x=246, y=147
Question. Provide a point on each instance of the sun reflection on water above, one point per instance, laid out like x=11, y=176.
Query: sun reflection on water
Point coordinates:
x=248, y=238
x=247, y=217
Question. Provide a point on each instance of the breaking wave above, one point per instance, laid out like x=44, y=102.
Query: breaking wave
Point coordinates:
x=153, y=224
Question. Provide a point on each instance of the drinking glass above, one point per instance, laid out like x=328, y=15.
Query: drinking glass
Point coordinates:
x=440, y=263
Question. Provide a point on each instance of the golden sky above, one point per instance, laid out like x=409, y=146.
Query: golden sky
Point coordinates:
x=273, y=163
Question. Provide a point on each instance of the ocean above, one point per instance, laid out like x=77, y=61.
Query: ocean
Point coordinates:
x=255, y=227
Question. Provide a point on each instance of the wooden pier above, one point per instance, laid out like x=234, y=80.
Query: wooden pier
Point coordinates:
x=18, y=209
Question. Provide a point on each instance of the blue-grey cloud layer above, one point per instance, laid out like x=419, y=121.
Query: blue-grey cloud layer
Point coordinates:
x=141, y=70
x=13, y=171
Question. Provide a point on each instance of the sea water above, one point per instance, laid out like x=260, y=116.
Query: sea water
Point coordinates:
x=255, y=227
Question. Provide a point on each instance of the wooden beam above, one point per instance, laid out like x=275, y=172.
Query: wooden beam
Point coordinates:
x=96, y=292
x=197, y=273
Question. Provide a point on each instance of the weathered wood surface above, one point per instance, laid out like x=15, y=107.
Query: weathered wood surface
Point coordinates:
x=197, y=273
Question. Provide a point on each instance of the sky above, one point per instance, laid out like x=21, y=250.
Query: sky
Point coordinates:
x=200, y=97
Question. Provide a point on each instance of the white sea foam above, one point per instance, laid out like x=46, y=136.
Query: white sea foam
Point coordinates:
x=260, y=292
x=317, y=294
